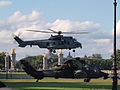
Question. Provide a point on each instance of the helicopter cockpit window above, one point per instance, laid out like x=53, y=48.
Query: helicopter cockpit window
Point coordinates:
x=77, y=64
x=75, y=40
x=74, y=63
x=96, y=69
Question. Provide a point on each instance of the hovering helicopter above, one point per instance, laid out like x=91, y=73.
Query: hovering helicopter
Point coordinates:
x=54, y=42
x=74, y=69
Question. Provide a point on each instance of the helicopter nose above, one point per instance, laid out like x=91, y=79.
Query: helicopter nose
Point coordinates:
x=80, y=45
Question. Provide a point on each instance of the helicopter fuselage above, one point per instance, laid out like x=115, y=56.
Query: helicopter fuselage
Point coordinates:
x=54, y=42
x=74, y=69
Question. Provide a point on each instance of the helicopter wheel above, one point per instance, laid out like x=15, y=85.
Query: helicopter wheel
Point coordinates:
x=54, y=51
x=87, y=80
x=73, y=50
x=37, y=80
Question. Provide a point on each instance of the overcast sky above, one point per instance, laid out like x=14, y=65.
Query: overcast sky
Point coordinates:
x=94, y=16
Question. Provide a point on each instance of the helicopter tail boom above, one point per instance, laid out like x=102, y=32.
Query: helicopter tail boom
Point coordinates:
x=31, y=71
x=19, y=41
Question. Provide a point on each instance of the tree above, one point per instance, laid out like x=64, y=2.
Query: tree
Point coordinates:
x=117, y=55
x=97, y=56
x=2, y=60
x=100, y=63
x=35, y=61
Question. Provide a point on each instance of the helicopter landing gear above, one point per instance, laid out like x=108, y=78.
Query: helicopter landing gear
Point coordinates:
x=87, y=80
x=37, y=80
x=52, y=50
x=73, y=50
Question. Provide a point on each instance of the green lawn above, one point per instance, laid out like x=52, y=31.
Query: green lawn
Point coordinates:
x=53, y=84
x=59, y=84
x=14, y=75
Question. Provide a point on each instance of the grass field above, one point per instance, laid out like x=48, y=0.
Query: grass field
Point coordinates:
x=53, y=84
x=59, y=84
x=14, y=75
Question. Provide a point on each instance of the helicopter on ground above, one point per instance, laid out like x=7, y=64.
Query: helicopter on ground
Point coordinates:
x=72, y=69
x=54, y=42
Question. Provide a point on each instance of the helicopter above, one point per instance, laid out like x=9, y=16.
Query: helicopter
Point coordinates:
x=54, y=42
x=71, y=69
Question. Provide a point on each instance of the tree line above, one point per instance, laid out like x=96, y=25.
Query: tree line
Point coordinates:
x=94, y=60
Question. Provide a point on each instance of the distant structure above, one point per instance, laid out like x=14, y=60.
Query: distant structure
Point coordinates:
x=60, y=58
x=10, y=61
x=51, y=55
x=69, y=56
x=13, y=60
x=7, y=62
x=45, y=62
x=48, y=57
x=85, y=56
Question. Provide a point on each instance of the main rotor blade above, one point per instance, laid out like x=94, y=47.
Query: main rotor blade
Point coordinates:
x=83, y=32
x=53, y=30
x=39, y=31
x=75, y=32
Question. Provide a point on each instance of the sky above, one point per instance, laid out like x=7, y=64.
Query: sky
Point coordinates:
x=94, y=16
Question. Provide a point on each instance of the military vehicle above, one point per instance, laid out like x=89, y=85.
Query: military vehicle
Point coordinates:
x=74, y=69
x=54, y=42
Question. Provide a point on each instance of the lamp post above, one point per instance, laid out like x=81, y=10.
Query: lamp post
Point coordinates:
x=115, y=81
